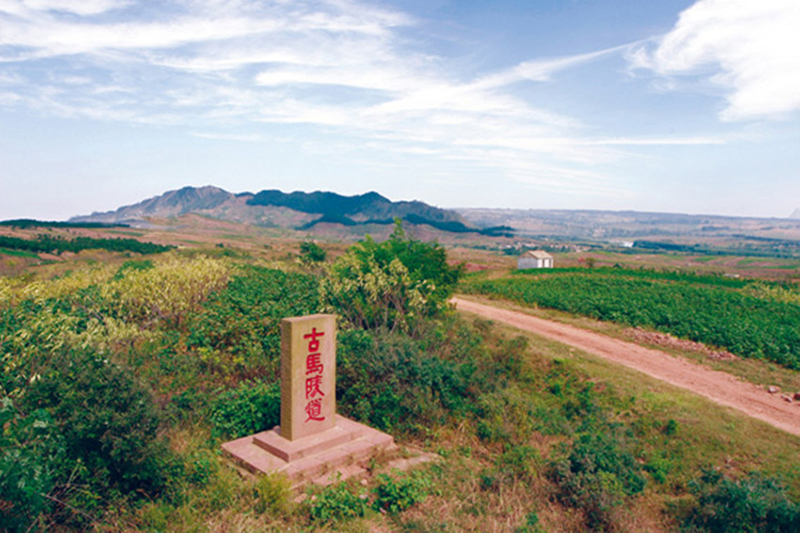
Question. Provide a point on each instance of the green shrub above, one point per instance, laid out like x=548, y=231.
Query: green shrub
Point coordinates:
x=107, y=419
x=30, y=447
x=239, y=326
x=145, y=264
x=390, y=380
x=521, y=462
x=83, y=431
x=201, y=466
x=311, y=252
x=753, y=504
x=394, y=495
x=391, y=284
x=531, y=524
x=515, y=463
x=274, y=494
x=336, y=502
x=598, y=476
x=250, y=408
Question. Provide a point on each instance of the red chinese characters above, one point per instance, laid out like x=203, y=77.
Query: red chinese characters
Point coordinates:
x=314, y=368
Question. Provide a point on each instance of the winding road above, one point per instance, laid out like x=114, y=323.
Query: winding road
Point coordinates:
x=717, y=386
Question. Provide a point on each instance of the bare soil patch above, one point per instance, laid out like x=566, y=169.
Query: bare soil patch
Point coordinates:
x=720, y=387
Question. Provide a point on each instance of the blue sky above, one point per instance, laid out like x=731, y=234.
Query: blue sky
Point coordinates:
x=677, y=106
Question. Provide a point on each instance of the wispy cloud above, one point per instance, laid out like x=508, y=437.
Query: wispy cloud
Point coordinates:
x=749, y=48
x=341, y=66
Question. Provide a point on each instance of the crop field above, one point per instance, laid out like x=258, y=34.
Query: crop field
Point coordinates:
x=758, y=320
x=122, y=377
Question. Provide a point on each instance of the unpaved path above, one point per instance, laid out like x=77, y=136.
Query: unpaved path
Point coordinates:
x=719, y=387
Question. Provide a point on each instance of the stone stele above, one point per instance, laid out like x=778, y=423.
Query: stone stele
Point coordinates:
x=312, y=443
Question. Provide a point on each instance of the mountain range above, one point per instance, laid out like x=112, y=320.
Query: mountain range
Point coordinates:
x=332, y=214
x=297, y=210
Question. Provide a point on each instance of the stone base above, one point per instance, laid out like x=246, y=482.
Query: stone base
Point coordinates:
x=344, y=449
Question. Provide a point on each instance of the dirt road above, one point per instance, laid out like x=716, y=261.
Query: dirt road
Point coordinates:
x=719, y=387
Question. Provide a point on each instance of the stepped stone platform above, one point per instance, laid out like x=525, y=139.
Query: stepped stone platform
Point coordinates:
x=342, y=450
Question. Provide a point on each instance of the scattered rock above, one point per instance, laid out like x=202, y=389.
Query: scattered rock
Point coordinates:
x=797, y=396
x=787, y=398
x=773, y=389
x=665, y=339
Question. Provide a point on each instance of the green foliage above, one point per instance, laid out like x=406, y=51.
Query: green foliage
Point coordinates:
x=311, y=252
x=390, y=380
x=88, y=358
x=598, y=475
x=617, y=271
x=274, y=494
x=704, y=309
x=50, y=244
x=81, y=431
x=239, y=326
x=531, y=524
x=145, y=264
x=389, y=285
x=247, y=409
x=517, y=462
x=166, y=295
x=750, y=505
x=395, y=495
x=335, y=503
x=30, y=449
x=25, y=223
x=108, y=421
x=521, y=462
x=202, y=466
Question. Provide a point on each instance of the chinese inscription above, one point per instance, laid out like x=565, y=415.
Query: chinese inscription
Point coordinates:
x=308, y=375
x=313, y=383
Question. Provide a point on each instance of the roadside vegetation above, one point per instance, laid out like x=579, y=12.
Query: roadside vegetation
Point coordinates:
x=120, y=381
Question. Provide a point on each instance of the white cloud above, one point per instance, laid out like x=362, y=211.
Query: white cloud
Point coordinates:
x=750, y=48
x=543, y=69
x=341, y=66
x=78, y=7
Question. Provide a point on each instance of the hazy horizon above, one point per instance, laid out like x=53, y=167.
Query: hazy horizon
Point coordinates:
x=685, y=107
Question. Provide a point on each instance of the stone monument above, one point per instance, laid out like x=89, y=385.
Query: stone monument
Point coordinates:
x=312, y=442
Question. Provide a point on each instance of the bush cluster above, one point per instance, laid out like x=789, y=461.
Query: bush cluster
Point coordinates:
x=238, y=328
x=83, y=431
x=57, y=245
x=755, y=503
x=393, y=381
x=247, y=409
x=390, y=285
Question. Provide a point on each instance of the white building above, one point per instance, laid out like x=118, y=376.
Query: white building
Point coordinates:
x=535, y=259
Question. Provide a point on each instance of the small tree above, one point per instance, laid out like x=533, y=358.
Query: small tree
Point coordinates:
x=311, y=252
x=389, y=284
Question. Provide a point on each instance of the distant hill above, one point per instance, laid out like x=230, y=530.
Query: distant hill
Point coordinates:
x=169, y=204
x=298, y=210
x=795, y=214
x=359, y=208
x=667, y=232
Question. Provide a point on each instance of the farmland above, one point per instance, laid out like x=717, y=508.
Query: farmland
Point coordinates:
x=178, y=351
x=751, y=319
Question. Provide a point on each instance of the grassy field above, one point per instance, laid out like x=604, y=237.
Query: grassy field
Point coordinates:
x=178, y=352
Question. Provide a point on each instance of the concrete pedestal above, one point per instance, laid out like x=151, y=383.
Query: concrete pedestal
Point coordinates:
x=345, y=448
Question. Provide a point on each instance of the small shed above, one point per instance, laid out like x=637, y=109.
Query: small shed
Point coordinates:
x=535, y=259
